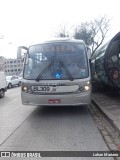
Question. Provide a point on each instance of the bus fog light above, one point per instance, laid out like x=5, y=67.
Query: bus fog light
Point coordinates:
x=87, y=88
x=24, y=89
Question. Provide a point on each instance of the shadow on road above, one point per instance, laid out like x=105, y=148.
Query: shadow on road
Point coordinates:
x=46, y=111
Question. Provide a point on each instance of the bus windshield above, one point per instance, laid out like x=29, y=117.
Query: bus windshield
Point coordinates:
x=51, y=61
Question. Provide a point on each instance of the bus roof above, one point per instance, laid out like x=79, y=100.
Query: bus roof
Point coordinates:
x=55, y=40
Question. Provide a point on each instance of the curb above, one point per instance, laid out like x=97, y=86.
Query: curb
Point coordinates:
x=107, y=115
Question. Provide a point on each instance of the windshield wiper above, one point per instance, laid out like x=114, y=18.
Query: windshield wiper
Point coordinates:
x=66, y=70
x=44, y=70
x=50, y=65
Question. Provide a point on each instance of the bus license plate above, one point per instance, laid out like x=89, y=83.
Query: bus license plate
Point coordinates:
x=51, y=101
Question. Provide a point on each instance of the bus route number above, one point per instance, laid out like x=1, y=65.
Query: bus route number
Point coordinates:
x=41, y=88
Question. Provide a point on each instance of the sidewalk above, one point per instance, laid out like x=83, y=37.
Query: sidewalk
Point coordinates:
x=109, y=104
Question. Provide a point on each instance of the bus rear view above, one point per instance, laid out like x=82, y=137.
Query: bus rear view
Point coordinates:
x=56, y=73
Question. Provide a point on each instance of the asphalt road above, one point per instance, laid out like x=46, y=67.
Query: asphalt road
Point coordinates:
x=30, y=128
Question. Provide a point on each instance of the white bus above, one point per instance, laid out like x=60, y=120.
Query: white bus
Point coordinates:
x=56, y=72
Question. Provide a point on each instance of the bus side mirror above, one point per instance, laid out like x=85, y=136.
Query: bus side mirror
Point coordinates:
x=21, y=52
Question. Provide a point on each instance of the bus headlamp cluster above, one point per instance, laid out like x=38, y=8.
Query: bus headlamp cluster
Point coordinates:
x=81, y=89
x=24, y=89
x=84, y=88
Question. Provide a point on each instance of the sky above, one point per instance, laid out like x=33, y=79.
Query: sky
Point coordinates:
x=23, y=22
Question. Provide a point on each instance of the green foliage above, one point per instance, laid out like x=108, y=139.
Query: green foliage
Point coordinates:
x=93, y=33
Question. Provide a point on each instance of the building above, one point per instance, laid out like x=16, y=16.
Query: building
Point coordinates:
x=13, y=66
x=2, y=63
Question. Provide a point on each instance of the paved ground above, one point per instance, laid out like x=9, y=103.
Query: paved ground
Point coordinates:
x=57, y=129
x=47, y=128
x=12, y=113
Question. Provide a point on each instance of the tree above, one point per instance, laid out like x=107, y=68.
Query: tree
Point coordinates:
x=62, y=31
x=84, y=32
x=93, y=33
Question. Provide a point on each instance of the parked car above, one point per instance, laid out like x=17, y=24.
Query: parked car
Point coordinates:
x=12, y=81
x=20, y=79
x=3, y=85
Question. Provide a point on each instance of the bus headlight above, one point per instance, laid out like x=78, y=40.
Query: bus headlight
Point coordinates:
x=24, y=89
x=87, y=88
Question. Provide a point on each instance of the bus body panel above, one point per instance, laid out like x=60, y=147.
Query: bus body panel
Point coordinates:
x=64, y=100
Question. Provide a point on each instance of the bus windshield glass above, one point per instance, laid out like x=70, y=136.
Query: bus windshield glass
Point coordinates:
x=51, y=61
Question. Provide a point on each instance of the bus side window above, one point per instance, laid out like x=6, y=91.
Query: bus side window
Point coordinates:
x=30, y=64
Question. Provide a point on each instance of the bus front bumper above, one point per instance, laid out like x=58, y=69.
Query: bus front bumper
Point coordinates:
x=83, y=98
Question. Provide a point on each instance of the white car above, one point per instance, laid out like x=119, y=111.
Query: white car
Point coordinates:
x=20, y=79
x=12, y=81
